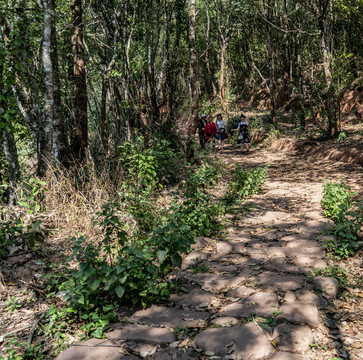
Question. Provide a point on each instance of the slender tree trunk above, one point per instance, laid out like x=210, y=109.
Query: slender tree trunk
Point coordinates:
x=327, y=59
x=80, y=139
x=9, y=147
x=61, y=147
x=194, y=84
x=207, y=62
x=222, y=70
x=272, y=80
x=104, y=115
x=46, y=126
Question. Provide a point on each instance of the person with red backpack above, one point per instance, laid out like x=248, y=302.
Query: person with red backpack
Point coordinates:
x=210, y=130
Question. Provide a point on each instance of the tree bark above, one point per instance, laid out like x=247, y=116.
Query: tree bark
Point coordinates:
x=80, y=139
x=271, y=62
x=104, y=114
x=60, y=147
x=207, y=41
x=194, y=84
x=327, y=59
x=222, y=70
x=46, y=126
x=9, y=146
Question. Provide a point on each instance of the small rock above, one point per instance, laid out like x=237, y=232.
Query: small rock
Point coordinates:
x=327, y=285
x=225, y=321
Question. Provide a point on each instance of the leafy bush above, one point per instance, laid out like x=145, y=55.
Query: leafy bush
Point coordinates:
x=141, y=167
x=198, y=179
x=338, y=205
x=10, y=227
x=335, y=196
x=119, y=267
x=197, y=209
x=31, y=195
x=149, y=168
x=346, y=231
x=246, y=182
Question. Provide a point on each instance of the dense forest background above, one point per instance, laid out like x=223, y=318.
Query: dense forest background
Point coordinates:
x=80, y=77
x=102, y=182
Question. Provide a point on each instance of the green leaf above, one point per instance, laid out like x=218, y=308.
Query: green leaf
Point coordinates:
x=94, y=283
x=161, y=254
x=176, y=260
x=98, y=333
x=120, y=291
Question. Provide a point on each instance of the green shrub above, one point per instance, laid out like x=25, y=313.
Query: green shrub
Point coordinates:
x=141, y=167
x=149, y=168
x=335, y=196
x=338, y=205
x=118, y=267
x=246, y=182
x=347, y=230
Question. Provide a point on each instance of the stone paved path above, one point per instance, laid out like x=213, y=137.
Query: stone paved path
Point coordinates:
x=249, y=296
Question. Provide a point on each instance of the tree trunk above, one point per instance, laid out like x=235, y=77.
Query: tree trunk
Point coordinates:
x=9, y=146
x=104, y=114
x=207, y=62
x=46, y=126
x=194, y=84
x=327, y=58
x=60, y=147
x=222, y=76
x=271, y=62
x=80, y=138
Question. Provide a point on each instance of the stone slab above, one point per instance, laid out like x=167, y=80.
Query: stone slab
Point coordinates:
x=260, y=304
x=201, y=242
x=218, y=284
x=168, y=316
x=293, y=338
x=230, y=247
x=281, y=355
x=194, y=297
x=299, y=313
x=142, y=333
x=276, y=282
x=240, y=292
x=250, y=342
x=309, y=262
x=175, y=354
x=94, y=349
x=268, y=217
x=310, y=298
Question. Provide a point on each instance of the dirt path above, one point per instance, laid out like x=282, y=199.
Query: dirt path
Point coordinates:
x=249, y=292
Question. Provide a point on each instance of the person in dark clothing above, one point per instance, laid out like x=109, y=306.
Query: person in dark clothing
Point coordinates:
x=243, y=134
x=201, y=127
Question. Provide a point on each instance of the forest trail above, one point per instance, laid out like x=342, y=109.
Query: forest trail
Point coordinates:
x=250, y=292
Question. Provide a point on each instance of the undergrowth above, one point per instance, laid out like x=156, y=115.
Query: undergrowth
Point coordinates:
x=126, y=234
x=340, y=206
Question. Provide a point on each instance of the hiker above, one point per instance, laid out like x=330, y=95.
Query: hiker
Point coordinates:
x=221, y=129
x=243, y=135
x=201, y=126
x=210, y=130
